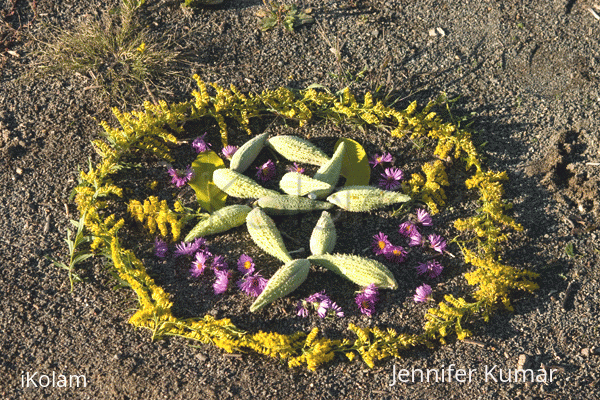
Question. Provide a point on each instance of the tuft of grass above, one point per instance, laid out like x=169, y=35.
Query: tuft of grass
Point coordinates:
x=115, y=51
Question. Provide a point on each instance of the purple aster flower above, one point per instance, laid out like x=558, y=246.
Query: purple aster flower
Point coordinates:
x=320, y=301
x=432, y=269
x=371, y=291
x=328, y=308
x=160, y=248
x=317, y=297
x=415, y=239
x=199, y=243
x=380, y=243
x=379, y=159
x=252, y=285
x=366, y=304
x=395, y=254
x=199, y=264
x=323, y=307
x=423, y=217
x=229, y=151
x=335, y=310
x=266, y=171
x=245, y=264
x=302, y=308
x=423, y=294
x=186, y=248
x=180, y=178
x=366, y=299
x=438, y=243
x=296, y=168
x=200, y=145
x=220, y=285
x=219, y=264
x=391, y=178
x=407, y=228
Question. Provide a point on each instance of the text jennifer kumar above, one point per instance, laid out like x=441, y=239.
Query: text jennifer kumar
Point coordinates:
x=487, y=374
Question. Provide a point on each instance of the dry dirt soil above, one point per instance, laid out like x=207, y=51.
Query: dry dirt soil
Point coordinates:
x=527, y=73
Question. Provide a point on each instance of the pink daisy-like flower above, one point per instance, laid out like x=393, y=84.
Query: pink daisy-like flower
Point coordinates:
x=438, y=243
x=395, y=254
x=222, y=282
x=379, y=159
x=229, y=151
x=423, y=217
x=296, y=168
x=432, y=269
x=200, y=145
x=199, y=264
x=380, y=242
x=180, y=178
x=366, y=304
x=252, y=285
x=266, y=171
x=423, y=294
x=407, y=228
x=415, y=239
x=245, y=264
x=391, y=178
x=160, y=248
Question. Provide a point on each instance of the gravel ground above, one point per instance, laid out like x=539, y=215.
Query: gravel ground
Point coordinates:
x=527, y=73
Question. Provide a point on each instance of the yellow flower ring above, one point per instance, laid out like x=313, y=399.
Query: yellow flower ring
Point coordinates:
x=151, y=130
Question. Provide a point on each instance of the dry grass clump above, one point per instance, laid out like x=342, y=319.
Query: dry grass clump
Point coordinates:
x=115, y=51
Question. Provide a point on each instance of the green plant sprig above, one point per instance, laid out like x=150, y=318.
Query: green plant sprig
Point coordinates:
x=75, y=256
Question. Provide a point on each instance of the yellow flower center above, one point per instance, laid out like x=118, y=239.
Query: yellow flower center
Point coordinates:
x=247, y=265
x=381, y=244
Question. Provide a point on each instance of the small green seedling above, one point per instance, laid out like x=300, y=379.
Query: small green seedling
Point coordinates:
x=569, y=250
x=287, y=15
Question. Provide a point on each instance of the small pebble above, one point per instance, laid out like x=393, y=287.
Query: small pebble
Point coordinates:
x=524, y=361
x=585, y=352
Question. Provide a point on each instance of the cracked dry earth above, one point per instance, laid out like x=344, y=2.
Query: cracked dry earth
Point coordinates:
x=527, y=73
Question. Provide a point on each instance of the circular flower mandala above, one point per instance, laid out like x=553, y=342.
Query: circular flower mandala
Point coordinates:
x=154, y=131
